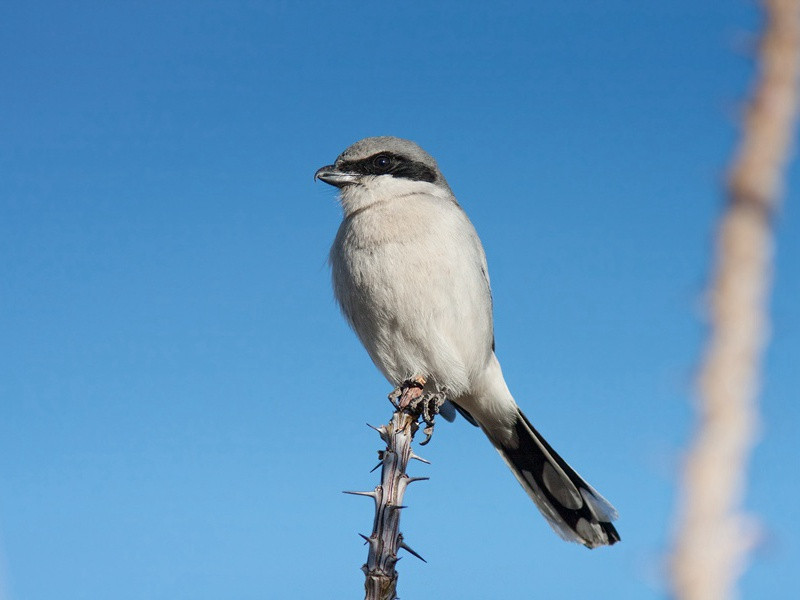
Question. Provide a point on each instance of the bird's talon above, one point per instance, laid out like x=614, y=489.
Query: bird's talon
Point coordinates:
x=428, y=431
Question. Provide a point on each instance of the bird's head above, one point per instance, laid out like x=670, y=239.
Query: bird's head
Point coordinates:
x=381, y=168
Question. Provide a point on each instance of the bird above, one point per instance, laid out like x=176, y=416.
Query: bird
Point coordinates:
x=410, y=275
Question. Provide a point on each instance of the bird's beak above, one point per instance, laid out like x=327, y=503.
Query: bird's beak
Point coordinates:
x=333, y=176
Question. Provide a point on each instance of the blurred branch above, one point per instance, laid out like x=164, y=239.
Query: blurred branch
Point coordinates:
x=712, y=535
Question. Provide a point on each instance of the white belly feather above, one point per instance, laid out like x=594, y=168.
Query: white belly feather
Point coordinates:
x=416, y=290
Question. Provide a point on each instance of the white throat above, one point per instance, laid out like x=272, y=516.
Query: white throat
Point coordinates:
x=385, y=188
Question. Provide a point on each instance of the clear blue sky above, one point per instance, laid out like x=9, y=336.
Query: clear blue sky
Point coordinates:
x=182, y=403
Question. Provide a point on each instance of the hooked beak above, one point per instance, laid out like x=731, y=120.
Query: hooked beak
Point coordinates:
x=333, y=176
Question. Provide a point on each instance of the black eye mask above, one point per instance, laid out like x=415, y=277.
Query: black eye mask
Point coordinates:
x=387, y=163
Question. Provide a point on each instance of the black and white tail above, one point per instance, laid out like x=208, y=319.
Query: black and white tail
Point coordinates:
x=576, y=511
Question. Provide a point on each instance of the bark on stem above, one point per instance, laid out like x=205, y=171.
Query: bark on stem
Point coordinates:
x=713, y=537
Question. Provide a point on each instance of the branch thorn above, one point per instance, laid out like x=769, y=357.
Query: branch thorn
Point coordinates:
x=408, y=549
x=370, y=494
x=413, y=479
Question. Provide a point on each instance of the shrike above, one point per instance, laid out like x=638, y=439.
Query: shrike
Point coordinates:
x=410, y=275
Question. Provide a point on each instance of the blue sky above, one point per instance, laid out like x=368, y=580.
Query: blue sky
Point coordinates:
x=182, y=403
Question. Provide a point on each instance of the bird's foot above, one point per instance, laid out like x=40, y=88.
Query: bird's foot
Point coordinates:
x=429, y=405
x=411, y=397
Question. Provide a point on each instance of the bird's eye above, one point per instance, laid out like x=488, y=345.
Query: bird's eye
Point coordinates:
x=382, y=162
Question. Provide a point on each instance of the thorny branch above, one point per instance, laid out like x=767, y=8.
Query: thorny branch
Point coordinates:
x=386, y=540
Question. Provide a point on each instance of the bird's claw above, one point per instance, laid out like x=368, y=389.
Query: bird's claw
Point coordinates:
x=428, y=431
